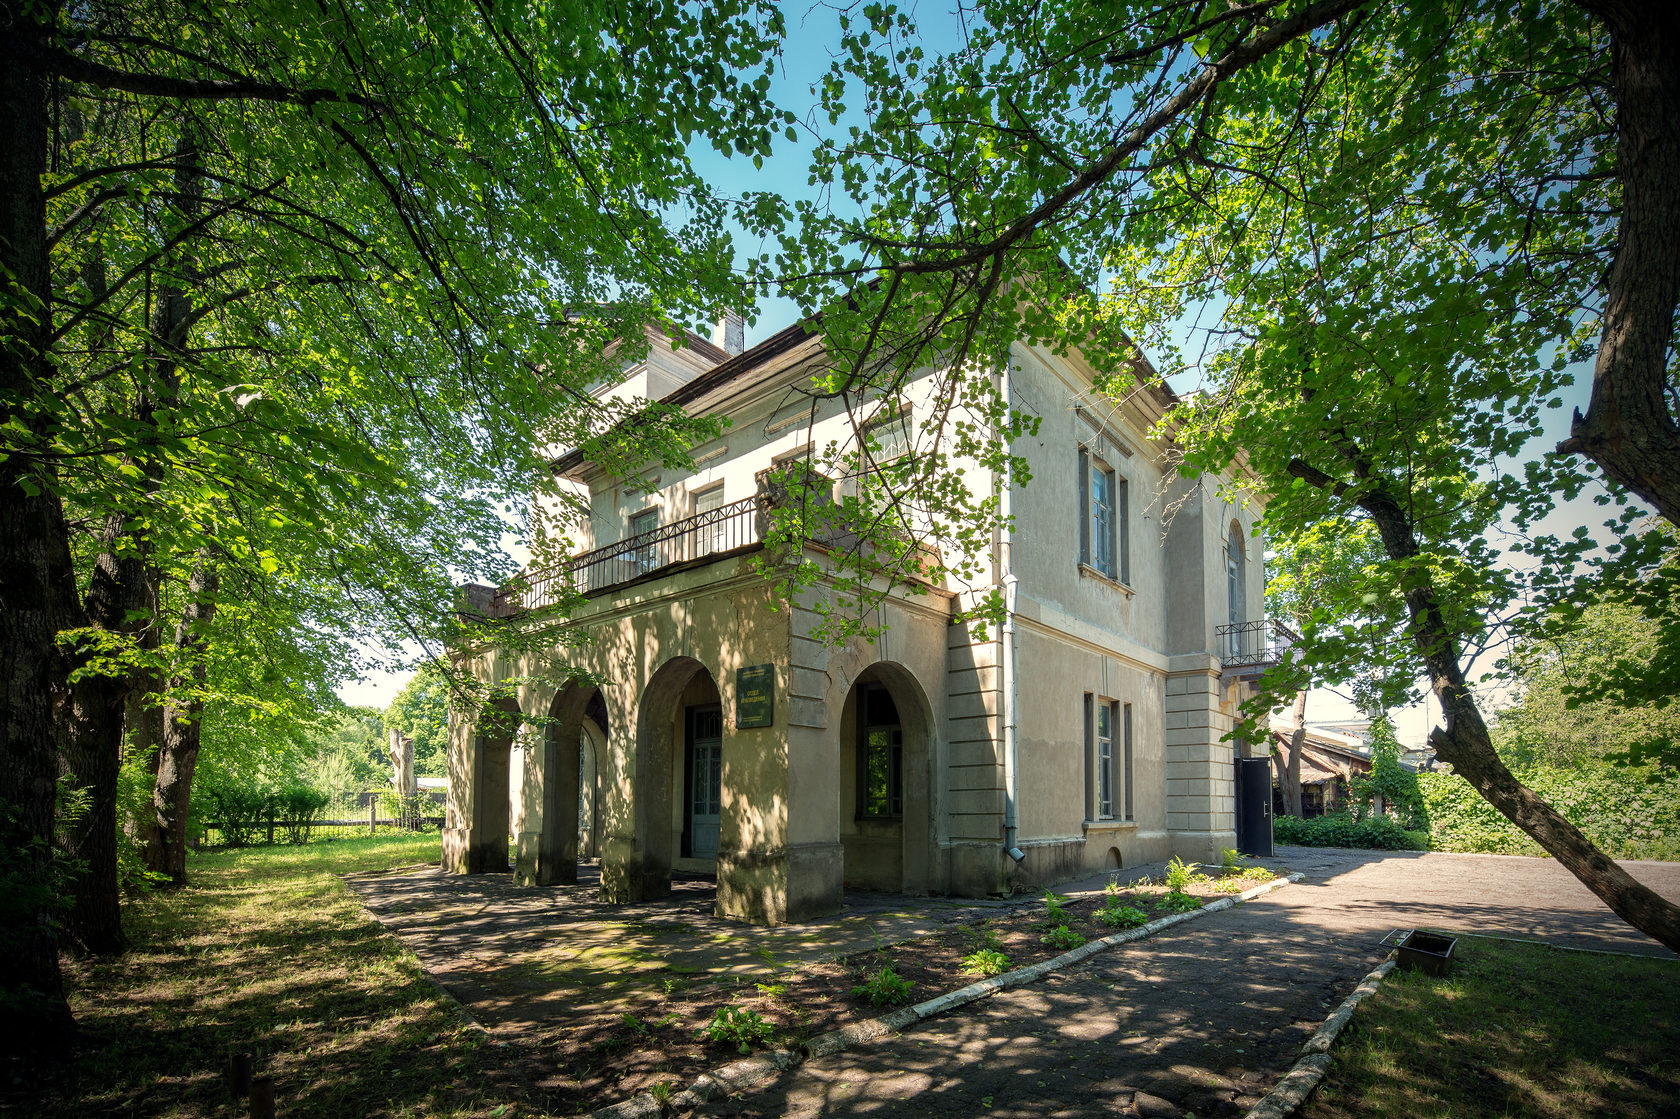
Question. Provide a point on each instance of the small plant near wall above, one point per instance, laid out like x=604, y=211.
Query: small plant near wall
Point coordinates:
x=883, y=987
x=1063, y=937
x=731, y=1025
x=1176, y=902
x=1055, y=909
x=1117, y=916
x=985, y=962
x=1230, y=860
x=1179, y=875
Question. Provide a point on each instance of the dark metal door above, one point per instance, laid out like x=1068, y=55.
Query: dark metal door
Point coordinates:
x=1254, y=806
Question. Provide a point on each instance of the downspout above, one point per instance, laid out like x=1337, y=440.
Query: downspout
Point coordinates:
x=1006, y=640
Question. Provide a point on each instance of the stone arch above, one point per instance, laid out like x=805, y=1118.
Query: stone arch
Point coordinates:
x=654, y=795
x=891, y=850
x=592, y=760
x=549, y=857
x=491, y=819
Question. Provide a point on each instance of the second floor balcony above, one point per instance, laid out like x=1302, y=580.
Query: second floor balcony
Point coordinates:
x=1249, y=648
x=701, y=538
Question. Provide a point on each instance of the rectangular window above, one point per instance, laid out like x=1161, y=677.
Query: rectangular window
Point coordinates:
x=709, y=538
x=1126, y=757
x=1105, y=761
x=644, y=556
x=1103, y=501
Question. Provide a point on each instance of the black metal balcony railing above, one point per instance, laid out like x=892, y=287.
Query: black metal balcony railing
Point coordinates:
x=1253, y=644
x=713, y=532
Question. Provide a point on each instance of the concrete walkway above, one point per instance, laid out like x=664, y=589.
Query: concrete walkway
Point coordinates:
x=1207, y=1016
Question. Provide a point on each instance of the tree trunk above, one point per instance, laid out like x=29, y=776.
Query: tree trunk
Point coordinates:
x=35, y=571
x=1629, y=429
x=1464, y=743
x=1297, y=740
x=178, y=752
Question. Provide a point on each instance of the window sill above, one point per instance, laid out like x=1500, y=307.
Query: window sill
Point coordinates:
x=1088, y=572
x=1110, y=825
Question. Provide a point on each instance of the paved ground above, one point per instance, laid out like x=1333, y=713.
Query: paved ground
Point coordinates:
x=1204, y=1018
x=1201, y=1019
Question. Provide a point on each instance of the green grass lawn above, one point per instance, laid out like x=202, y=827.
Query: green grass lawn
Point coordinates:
x=267, y=951
x=1517, y=1030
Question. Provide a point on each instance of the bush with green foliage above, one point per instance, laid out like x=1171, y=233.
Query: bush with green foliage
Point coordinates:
x=1180, y=874
x=1397, y=785
x=1339, y=829
x=297, y=807
x=1055, y=909
x=1628, y=812
x=239, y=812
x=883, y=987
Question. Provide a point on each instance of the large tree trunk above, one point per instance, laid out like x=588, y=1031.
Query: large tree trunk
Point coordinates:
x=1629, y=429
x=35, y=571
x=93, y=758
x=178, y=752
x=1463, y=742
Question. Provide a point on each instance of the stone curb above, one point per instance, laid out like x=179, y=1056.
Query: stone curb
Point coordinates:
x=1292, y=1091
x=744, y=1074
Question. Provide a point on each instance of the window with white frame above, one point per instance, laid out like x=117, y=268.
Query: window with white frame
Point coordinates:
x=1103, y=500
x=709, y=538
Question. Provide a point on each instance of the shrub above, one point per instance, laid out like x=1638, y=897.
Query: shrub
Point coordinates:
x=298, y=807
x=883, y=987
x=1063, y=937
x=1117, y=916
x=240, y=812
x=986, y=961
x=1339, y=829
x=1630, y=812
x=731, y=1025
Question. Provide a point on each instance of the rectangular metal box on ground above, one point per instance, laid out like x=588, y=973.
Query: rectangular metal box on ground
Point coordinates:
x=1427, y=952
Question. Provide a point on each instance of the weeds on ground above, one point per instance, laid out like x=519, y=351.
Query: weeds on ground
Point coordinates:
x=730, y=1025
x=1175, y=901
x=883, y=987
x=1117, y=916
x=1055, y=909
x=1063, y=937
x=985, y=962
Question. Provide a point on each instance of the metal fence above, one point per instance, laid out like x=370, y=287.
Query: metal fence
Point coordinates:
x=1253, y=644
x=714, y=532
x=337, y=825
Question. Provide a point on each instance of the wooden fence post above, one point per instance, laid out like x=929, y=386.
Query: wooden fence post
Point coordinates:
x=271, y=827
x=373, y=814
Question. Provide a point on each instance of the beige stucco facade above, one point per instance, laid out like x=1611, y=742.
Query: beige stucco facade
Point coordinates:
x=1084, y=733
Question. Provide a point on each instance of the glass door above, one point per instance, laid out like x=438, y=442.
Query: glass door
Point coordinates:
x=705, y=771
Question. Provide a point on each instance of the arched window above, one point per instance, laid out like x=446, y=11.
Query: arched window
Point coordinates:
x=1238, y=608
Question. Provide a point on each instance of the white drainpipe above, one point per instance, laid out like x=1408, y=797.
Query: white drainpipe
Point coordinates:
x=1006, y=639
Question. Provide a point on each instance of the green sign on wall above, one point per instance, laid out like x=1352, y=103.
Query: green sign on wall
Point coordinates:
x=755, y=695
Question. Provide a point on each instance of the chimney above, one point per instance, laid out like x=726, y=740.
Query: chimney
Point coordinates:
x=730, y=333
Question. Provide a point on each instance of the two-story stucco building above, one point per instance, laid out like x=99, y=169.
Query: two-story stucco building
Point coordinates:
x=720, y=735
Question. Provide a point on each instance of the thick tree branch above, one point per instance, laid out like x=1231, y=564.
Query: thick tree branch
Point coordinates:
x=49, y=59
